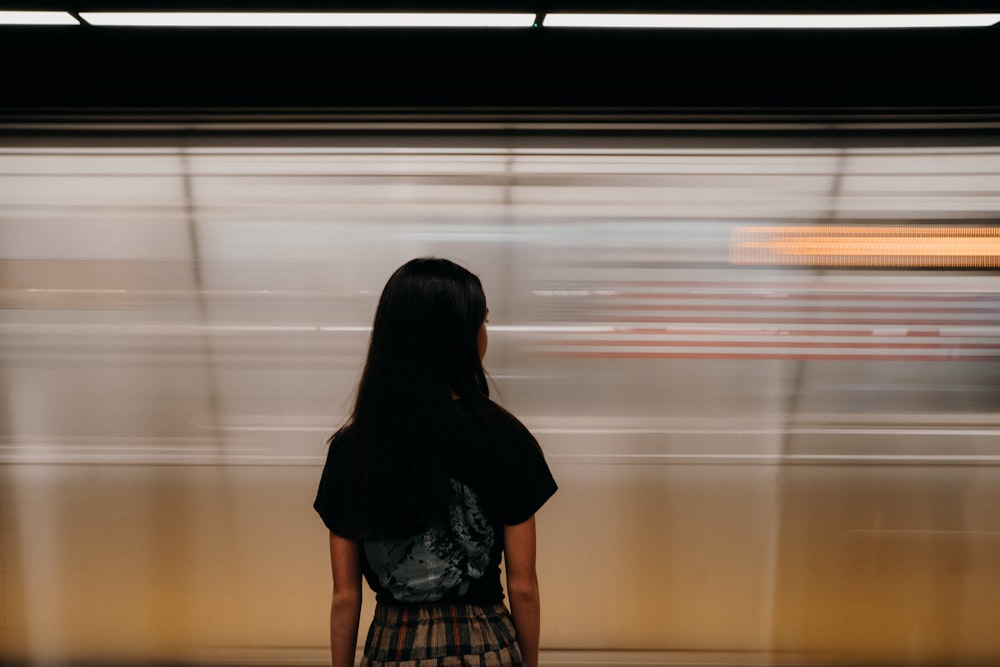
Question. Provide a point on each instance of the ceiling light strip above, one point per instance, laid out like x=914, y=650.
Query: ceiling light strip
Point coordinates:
x=37, y=18
x=499, y=20
x=769, y=21
x=310, y=19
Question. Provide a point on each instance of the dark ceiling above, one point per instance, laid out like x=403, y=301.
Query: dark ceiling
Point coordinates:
x=515, y=74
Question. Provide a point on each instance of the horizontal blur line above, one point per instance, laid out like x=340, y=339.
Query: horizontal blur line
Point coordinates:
x=505, y=150
x=279, y=429
x=792, y=320
x=777, y=459
x=223, y=457
x=785, y=332
x=774, y=356
x=889, y=532
x=167, y=292
x=785, y=345
x=195, y=329
x=887, y=331
x=168, y=330
x=770, y=285
x=346, y=329
x=866, y=246
x=771, y=431
x=693, y=661
x=991, y=432
x=515, y=328
x=749, y=292
x=678, y=326
x=685, y=431
x=769, y=305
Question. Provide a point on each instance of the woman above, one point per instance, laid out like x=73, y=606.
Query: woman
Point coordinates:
x=428, y=485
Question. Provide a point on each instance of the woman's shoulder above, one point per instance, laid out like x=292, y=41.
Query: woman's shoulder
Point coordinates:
x=506, y=435
x=523, y=472
x=514, y=428
x=342, y=445
x=489, y=415
x=342, y=435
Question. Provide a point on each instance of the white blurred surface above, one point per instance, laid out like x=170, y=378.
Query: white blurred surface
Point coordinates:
x=758, y=462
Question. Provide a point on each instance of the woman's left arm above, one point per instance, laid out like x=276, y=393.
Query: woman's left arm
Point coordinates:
x=522, y=587
x=345, y=611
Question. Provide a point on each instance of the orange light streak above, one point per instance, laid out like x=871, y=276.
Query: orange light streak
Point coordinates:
x=875, y=247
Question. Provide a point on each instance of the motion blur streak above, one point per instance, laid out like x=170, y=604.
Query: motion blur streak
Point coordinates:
x=908, y=247
x=758, y=464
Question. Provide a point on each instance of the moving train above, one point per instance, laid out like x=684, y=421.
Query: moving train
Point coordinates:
x=765, y=371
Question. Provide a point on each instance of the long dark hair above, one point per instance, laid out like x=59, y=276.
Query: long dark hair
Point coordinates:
x=423, y=354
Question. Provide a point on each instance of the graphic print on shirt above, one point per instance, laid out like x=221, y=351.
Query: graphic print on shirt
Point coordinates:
x=441, y=560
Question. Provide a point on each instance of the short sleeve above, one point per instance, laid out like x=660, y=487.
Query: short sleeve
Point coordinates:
x=329, y=503
x=529, y=482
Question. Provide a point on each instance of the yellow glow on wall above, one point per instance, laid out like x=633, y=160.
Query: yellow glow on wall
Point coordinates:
x=862, y=246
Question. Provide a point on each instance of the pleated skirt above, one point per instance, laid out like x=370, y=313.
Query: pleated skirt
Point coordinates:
x=441, y=635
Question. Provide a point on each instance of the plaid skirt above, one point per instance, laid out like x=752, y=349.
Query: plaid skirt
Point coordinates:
x=441, y=635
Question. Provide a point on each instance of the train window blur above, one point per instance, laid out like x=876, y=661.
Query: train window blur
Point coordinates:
x=781, y=459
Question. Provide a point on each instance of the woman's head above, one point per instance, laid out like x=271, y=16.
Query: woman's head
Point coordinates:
x=424, y=353
x=427, y=335
x=426, y=350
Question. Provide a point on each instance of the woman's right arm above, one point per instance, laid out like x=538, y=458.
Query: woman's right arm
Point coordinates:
x=522, y=587
x=345, y=611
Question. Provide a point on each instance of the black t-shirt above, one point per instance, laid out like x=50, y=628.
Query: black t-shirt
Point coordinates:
x=495, y=482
